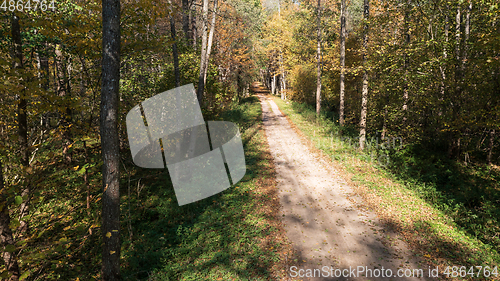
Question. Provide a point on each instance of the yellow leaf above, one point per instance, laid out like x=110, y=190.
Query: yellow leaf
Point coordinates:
x=108, y=234
x=111, y=252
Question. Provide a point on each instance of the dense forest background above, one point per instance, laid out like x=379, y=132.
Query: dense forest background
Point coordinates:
x=422, y=74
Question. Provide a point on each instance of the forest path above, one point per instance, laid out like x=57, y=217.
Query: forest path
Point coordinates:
x=324, y=221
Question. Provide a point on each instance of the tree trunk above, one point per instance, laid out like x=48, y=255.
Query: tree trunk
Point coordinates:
x=364, y=93
x=384, y=124
x=22, y=120
x=342, y=60
x=465, y=48
x=454, y=143
x=203, y=58
x=43, y=68
x=210, y=40
x=458, y=21
x=175, y=54
x=194, y=31
x=318, y=61
x=86, y=176
x=490, y=147
x=273, y=85
x=6, y=237
x=110, y=140
x=239, y=84
x=186, y=25
x=406, y=60
x=445, y=55
x=386, y=116
x=458, y=74
x=64, y=92
x=282, y=80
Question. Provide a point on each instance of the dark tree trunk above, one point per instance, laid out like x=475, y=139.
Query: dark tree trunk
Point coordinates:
x=194, y=30
x=186, y=26
x=86, y=174
x=22, y=120
x=110, y=140
x=6, y=237
x=239, y=84
x=490, y=147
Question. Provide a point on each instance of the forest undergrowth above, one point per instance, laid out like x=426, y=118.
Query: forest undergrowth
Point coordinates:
x=234, y=235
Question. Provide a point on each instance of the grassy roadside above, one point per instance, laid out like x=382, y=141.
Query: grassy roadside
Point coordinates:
x=234, y=235
x=433, y=234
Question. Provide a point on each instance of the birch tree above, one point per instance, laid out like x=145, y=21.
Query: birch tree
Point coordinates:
x=342, y=60
x=318, y=61
x=206, y=47
x=364, y=93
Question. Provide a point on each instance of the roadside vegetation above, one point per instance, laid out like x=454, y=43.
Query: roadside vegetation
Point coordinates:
x=234, y=235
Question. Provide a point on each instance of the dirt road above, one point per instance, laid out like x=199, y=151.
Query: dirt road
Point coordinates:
x=334, y=238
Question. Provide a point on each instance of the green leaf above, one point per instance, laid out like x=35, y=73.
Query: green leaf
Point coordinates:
x=18, y=200
x=21, y=242
x=82, y=171
x=25, y=275
x=10, y=248
x=5, y=275
x=14, y=224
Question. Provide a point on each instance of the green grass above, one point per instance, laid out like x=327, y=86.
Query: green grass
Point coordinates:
x=233, y=235
x=432, y=219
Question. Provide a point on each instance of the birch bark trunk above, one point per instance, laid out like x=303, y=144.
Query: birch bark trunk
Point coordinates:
x=364, y=93
x=342, y=60
x=318, y=55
